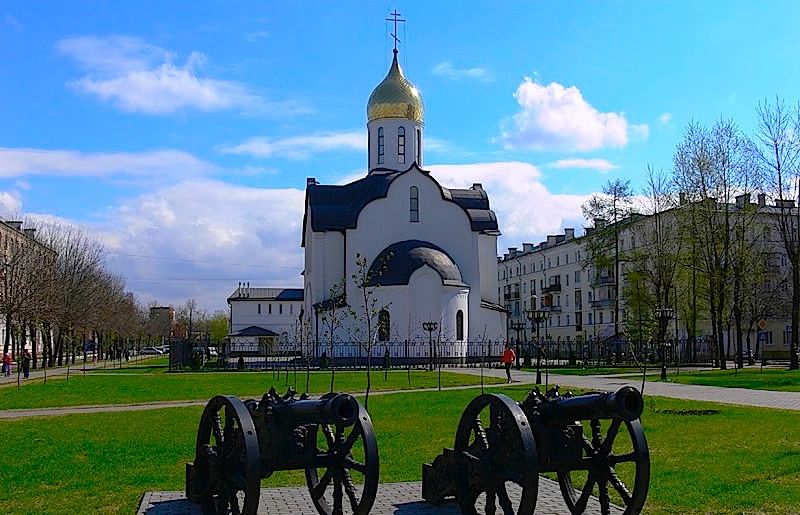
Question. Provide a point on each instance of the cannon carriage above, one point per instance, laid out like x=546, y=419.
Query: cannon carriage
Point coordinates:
x=239, y=443
x=502, y=446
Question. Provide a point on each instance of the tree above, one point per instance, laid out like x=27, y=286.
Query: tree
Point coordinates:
x=332, y=322
x=218, y=327
x=778, y=151
x=608, y=211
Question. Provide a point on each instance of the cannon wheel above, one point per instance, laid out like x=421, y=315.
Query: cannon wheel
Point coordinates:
x=348, y=459
x=601, y=461
x=227, y=458
x=488, y=457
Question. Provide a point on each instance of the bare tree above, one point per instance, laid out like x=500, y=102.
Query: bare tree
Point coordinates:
x=778, y=151
x=332, y=322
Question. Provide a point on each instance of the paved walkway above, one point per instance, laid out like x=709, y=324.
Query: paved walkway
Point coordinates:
x=392, y=499
x=76, y=369
x=723, y=395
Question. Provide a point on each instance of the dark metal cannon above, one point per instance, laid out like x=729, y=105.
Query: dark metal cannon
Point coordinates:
x=502, y=446
x=241, y=443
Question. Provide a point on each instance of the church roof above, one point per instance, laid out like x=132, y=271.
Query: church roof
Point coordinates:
x=336, y=208
x=395, y=97
x=397, y=262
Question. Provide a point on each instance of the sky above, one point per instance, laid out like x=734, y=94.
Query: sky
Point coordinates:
x=181, y=134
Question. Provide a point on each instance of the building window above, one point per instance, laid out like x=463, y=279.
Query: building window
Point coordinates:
x=269, y=308
x=380, y=145
x=280, y=309
x=419, y=147
x=459, y=325
x=383, y=325
x=401, y=145
x=590, y=319
x=291, y=309
x=259, y=309
x=414, y=204
x=601, y=317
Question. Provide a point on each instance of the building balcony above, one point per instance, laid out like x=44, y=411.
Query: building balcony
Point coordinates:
x=603, y=303
x=603, y=280
x=552, y=288
x=553, y=309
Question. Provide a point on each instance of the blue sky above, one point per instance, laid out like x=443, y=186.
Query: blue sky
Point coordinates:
x=182, y=133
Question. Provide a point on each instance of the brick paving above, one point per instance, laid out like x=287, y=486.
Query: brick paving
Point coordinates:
x=392, y=499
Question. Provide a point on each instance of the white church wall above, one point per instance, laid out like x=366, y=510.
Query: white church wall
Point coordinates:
x=487, y=252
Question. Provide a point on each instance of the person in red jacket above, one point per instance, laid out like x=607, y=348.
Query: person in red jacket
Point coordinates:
x=508, y=359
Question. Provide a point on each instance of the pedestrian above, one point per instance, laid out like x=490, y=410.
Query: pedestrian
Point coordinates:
x=26, y=363
x=7, y=365
x=508, y=360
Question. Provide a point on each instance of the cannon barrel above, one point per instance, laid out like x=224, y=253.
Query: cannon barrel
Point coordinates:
x=626, y=404
x=341, y=409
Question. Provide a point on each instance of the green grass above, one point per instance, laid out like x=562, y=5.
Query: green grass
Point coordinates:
x=754, y=378
x=119, y=388
x=589, y=371
x=740, y=460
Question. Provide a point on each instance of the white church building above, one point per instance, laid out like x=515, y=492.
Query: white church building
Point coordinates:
x=432, y=250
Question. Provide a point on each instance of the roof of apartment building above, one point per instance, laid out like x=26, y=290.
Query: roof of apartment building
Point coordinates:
x=245, y=292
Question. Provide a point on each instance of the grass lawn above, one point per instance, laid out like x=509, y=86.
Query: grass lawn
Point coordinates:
x=589, y=371
x=99, y=388
x=769, y=379
x=722, y=463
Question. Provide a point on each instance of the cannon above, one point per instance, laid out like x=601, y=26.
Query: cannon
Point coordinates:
x=502, y=446
x=239, y=443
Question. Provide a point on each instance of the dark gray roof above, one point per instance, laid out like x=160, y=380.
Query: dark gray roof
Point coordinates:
x=254, y=293
x=254, y=330
x=336, y=208
x=399, y=260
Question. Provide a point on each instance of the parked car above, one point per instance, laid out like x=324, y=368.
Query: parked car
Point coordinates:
x=151, y=351
x=213, y=353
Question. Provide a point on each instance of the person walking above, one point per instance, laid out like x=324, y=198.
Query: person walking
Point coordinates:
x=26, y=363
x=7, y=365
x=508, y=359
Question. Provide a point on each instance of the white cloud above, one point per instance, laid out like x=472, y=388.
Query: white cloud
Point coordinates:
x=10, y=204
x=18, y=162
x=201, y=237
x=300, y=147
x=601, y=165
x=446, y=69
x=258, y=35
x=555, y=117
x=526, y=210
x=139, y=77
x=665, y=118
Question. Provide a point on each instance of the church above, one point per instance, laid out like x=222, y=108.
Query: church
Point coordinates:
x=431, y=251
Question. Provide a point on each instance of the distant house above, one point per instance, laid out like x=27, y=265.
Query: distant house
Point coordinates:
x=262, y=317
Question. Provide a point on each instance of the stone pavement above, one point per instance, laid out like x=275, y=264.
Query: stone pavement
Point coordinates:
x=723, y=395
x=392, y=499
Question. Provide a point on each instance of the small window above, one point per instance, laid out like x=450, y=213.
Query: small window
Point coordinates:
x=414, y=204
x=269, y=308
x=383, y=325
x=280, y=309
x=380, y=145
x=419, y=147
x=259, y=309
x=401, y=145
x=459, y=325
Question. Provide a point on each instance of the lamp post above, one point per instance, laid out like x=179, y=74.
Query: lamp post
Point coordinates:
x=663, y=315
x=430, y=326
x=537, y=316
x=518, y=326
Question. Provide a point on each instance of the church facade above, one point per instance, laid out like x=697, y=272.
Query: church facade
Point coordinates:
x=430, y=251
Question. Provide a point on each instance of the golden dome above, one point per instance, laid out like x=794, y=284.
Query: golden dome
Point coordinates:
x=395, y=97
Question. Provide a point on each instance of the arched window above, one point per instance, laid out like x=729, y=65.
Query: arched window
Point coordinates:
x=383, y=325
x=459, y=325
x=380, y=145
x=414, y=204
x=401, y=145
x=419, y=147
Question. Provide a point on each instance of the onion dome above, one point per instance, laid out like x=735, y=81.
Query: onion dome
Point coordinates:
x=395, y=97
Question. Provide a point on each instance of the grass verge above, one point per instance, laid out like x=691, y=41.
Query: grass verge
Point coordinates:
x=753, y=378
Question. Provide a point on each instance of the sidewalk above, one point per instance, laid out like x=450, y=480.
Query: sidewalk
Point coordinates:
x=77, y=368
x=723, y=395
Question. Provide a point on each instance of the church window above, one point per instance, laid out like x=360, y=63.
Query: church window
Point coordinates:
x=401, y=145
x=280, y=309
x=380, y=145
x=383, y=325
x=459, y=325
x=414, y=204
x=259, y=309
x=419, y=146
x=269, y=308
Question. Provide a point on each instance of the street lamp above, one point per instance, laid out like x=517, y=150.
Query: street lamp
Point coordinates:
x=430, y=327
x=518, y=326
x=663, y=315
x=537, y=316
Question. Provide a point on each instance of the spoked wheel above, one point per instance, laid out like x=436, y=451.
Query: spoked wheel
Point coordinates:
x=612, y=463
x=344, y=478
x=227, y=458
x=494, y=450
